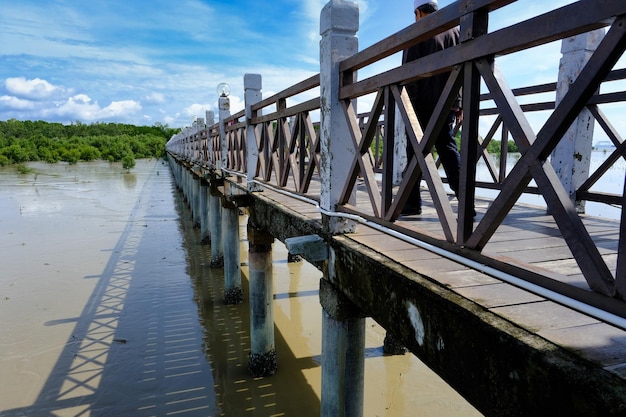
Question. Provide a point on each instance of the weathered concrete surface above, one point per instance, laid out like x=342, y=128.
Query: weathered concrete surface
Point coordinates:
x=501, y=368
x=280, y=221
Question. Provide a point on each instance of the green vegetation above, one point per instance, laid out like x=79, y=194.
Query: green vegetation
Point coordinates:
x=23, y=169
x=493, y=147
x=23, y=141
x=128, y=162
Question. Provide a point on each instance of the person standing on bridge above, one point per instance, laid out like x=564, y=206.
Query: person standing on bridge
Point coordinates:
x=424, y=94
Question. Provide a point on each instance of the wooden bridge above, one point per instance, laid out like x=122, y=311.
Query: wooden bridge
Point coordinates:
x=520, y=308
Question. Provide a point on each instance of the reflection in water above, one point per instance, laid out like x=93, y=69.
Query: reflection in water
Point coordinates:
x=395, y=386
x=227, y=342
x=120, y=313
x=135, y=350
x=130, y=180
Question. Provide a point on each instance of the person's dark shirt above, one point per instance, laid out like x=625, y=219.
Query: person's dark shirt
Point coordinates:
x=424, y=93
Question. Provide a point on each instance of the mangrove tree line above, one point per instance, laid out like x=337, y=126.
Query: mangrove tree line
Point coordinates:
x=23, y=141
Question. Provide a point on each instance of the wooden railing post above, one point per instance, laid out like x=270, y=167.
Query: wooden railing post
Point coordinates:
x=571, y=158
x=252, y=84
x=338, y=26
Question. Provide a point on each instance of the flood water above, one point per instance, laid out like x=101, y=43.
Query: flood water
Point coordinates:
x=109, y=307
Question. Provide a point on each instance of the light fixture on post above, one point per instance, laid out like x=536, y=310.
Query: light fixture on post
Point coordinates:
x=223, y=90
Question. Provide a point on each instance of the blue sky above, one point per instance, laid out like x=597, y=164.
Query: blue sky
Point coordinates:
x=143, y=62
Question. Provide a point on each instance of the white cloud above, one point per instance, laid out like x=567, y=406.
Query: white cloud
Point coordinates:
x=196, y=110
x=236, y=104
x=35, y=89
x=120, y=108
x=155, y=98
x=82, y=107
x=15, y=103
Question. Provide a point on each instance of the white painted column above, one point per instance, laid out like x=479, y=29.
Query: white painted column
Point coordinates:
x=205, y=232
x=263, y=358
x=215, y=207
x=197, y=127
x=399, y=148
x=252, y=84
x=210, y=121
x=343, y=354
x=195, y=198
x=571, y=158
x=215, y=224
x=339, y=23
x=224, y=112
x=343, y=329
x=233, y=292
x=205, y=222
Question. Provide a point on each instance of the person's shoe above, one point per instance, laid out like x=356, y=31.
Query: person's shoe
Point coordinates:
x=410, y=211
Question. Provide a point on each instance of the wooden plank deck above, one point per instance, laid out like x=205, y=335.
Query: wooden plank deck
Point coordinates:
x=528, y=237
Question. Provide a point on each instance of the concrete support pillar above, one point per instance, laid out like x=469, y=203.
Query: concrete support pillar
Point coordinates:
x=233, y=293
x=215, y=224
x=343, y=354
x=571, y=158
x=339, y=23
x=252, y=93
x=205, y=224
x=205, y=231
x=195, y=200
x=262, y=361
x=181, y=183
x=186, y=181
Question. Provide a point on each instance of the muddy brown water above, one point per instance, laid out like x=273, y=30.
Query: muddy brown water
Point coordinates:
x=109, y=307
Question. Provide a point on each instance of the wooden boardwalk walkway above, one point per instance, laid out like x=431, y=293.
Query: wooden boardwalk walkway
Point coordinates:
x=528, y=239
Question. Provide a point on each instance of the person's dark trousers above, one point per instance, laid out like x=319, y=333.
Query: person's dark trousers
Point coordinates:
x=450, y=159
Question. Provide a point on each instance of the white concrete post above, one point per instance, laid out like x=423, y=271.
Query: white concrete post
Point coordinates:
x=215, y=225
x=210, y=121
x=339, y=23
x=205, y=223
x=399, y=148
x=224, y=112
x=233, y=292
x=198, y=125
x=252, y=84
x=263, y=359
x=571, y=158
x=343, y=354
x=215, y=208
x=196, y=191
x=210, y=118
x=205, y=231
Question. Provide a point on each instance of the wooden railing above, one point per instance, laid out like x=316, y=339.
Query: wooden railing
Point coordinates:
x=498, y=170
x=470, y=62
x=288, y=144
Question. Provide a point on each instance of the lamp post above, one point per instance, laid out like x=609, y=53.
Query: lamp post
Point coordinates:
x=223, y=91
